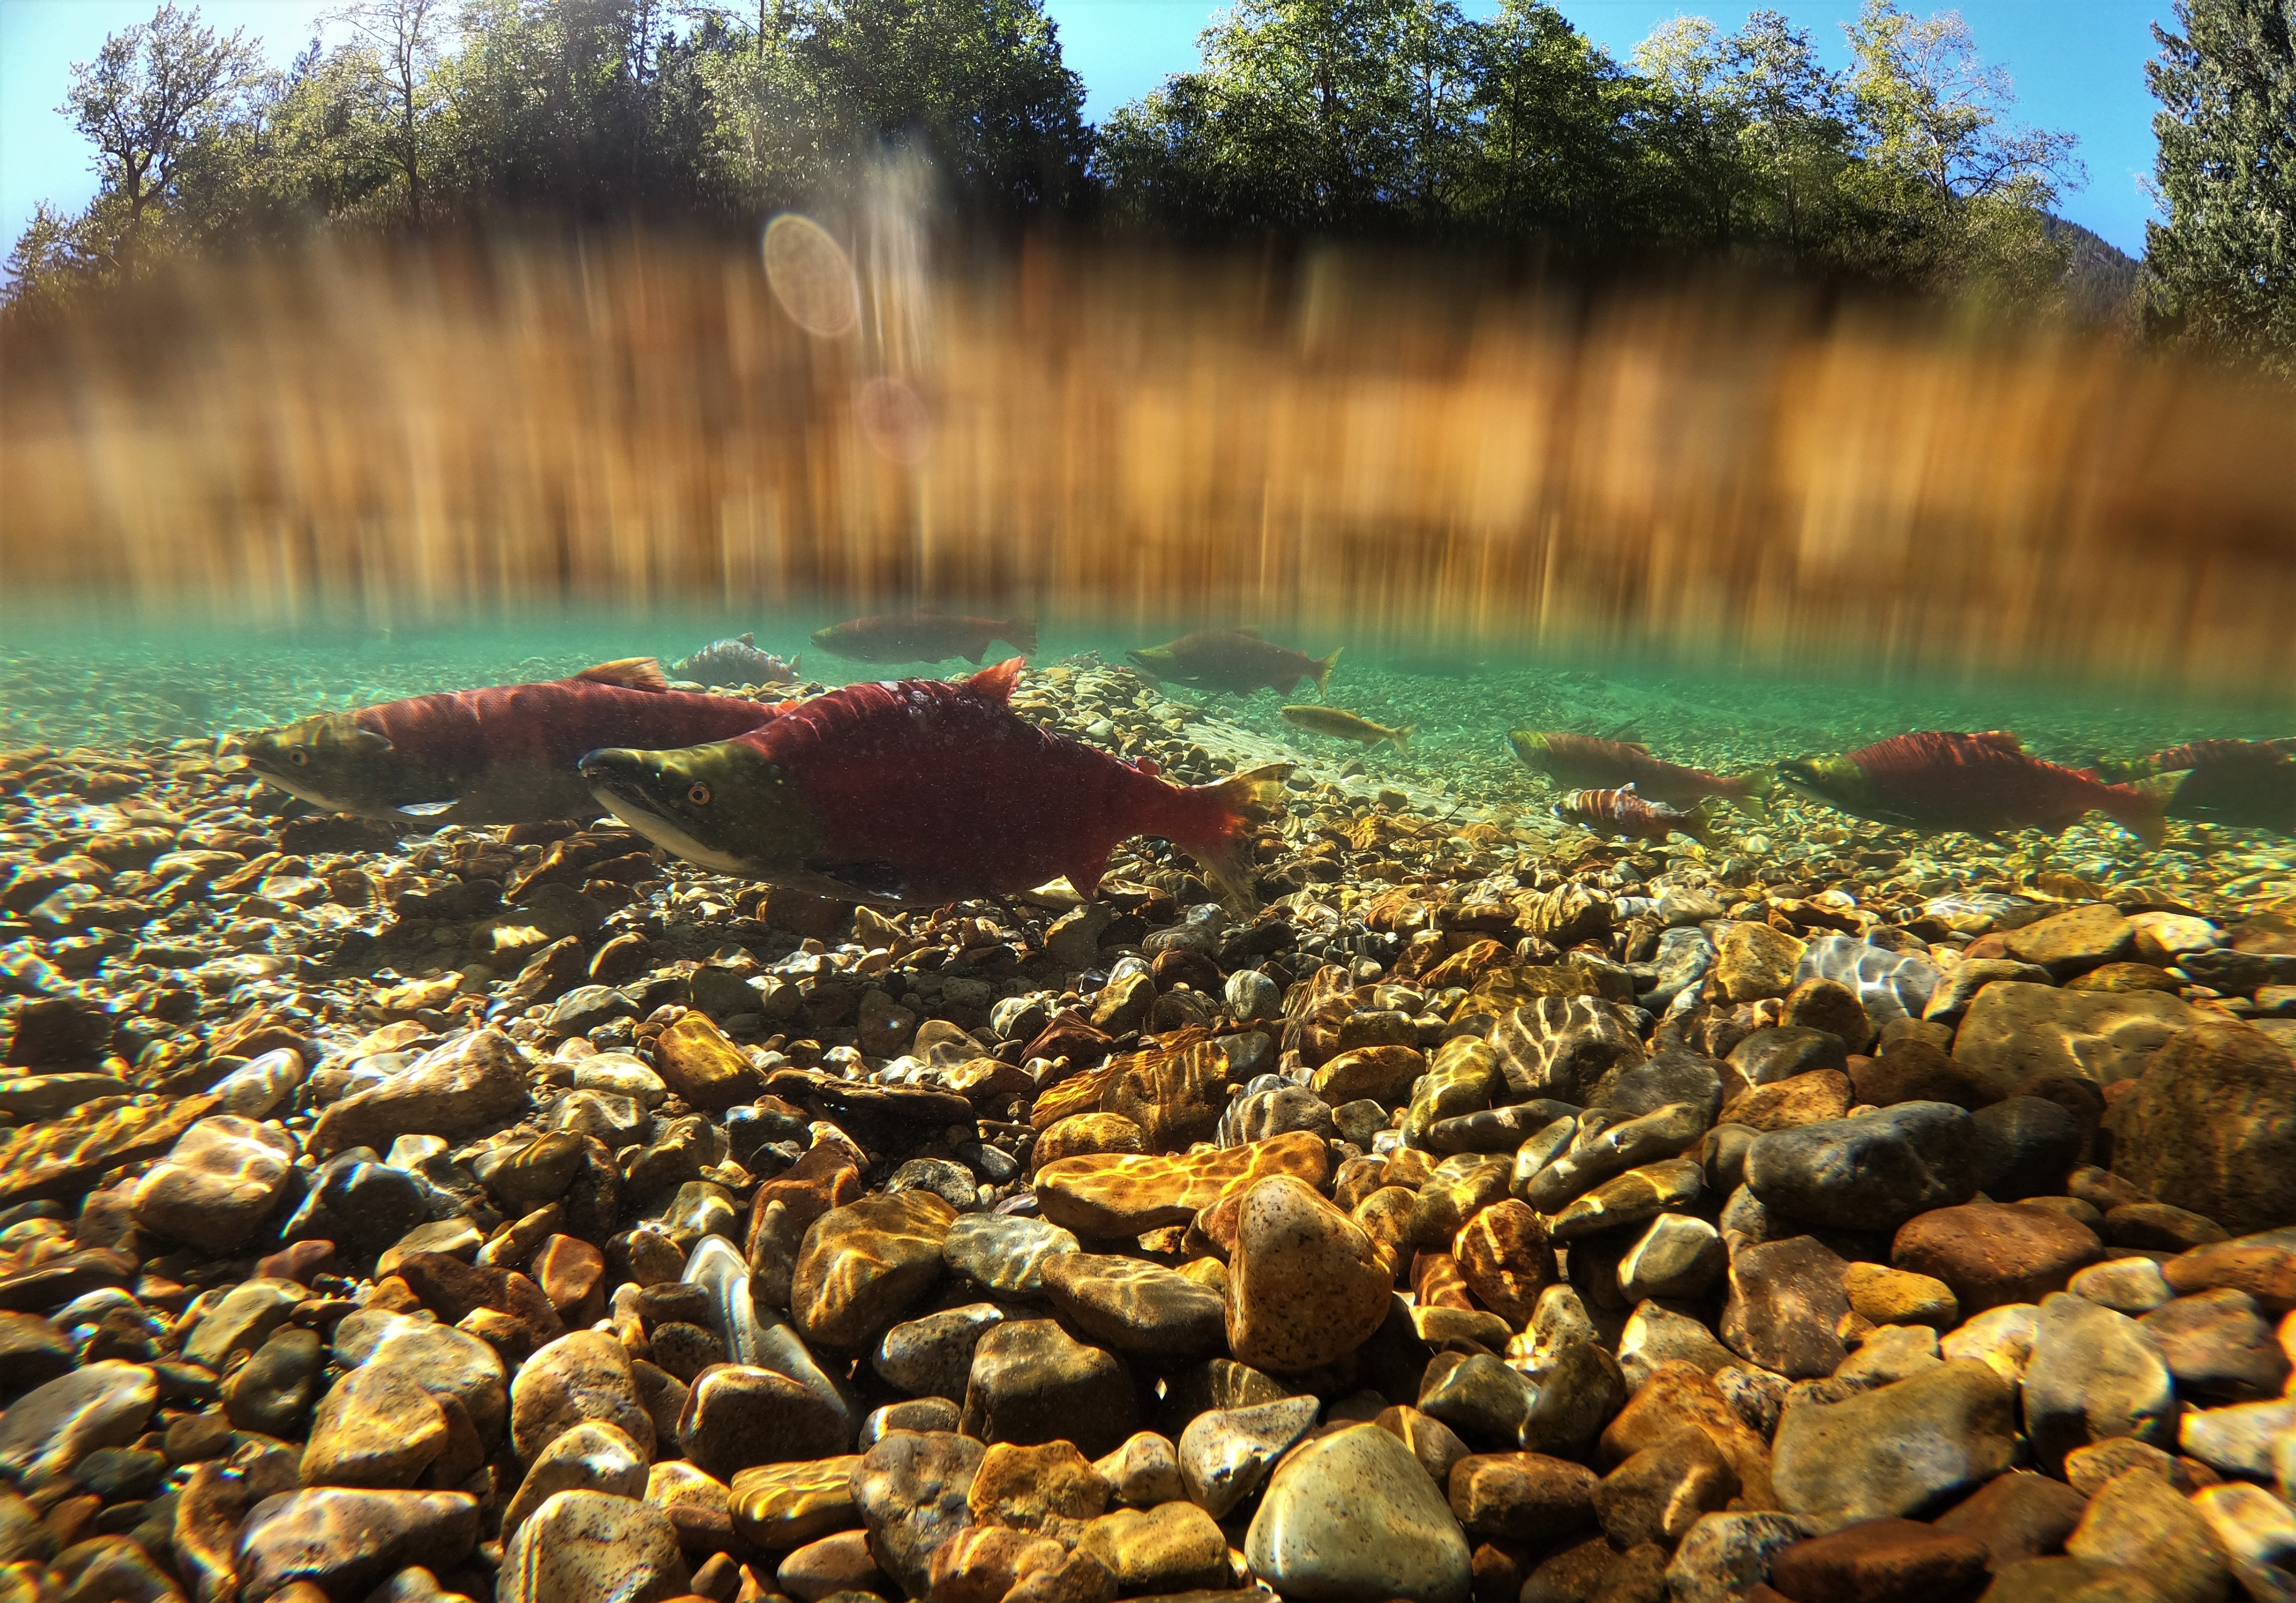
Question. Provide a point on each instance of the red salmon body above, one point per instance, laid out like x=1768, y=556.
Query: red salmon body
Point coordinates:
x=550, y=724
x=946, y=793
x=1983, y=783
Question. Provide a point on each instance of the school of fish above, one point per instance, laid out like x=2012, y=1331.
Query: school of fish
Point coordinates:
x=925, y=791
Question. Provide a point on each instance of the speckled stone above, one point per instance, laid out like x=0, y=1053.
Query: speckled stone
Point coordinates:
x=1134, y=1306
x=349, y=1542
x=593, y=1547
x=217, y=1184
x=376, y=1428
x=1003, y=1252
x=1353, y=1516
x=463, y=1085
x=440, y=1359
x=1144, y=1472
x=740, y=1415
x=914, y=1491
x=1050, y=1488
x=1306, y=1286
x=591, y=1457
x=584, y=1374
x=1032, y=1382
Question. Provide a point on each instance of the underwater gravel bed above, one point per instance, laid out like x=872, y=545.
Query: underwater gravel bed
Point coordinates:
x=1497, y=1211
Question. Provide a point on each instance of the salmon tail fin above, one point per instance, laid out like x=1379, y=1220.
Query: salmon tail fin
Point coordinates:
x=997, y=680
x=631, y=673
x=1223, y=818
x=1753, y=797
x=1400, y=739
x=1323, y=666
x=1701, y=822
x=1020, y=634
x=2143, y=808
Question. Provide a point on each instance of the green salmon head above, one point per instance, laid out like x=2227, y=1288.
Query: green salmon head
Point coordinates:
x=724, y=805
x=1531, y=749
x=1156, y=659
x=1835, y=782
x=329, y=760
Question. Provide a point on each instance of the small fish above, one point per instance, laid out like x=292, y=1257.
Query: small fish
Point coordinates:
x=1622, y=812
x=924, y=637
x=1979, y=783
x=2241, y=784
x=501, y=755
x=1586, y=759
x=1346, y=725
x=921, y=792
x=1236, y=660
x=736, y=663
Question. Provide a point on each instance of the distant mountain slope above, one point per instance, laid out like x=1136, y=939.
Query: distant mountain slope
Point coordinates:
x=2100, y=279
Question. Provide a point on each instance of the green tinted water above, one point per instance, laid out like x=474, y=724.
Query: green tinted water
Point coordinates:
x=71, y=677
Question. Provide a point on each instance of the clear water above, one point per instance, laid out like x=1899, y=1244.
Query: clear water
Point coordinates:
x=72, y=677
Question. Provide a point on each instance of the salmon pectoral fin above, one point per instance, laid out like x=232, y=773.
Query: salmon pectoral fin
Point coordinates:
x=997, y=682
x=631, y=673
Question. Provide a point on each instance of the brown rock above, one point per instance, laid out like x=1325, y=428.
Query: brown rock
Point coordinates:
x=1658, y=1493
x=568, y=1270
x=1753, y=961
x=2016, y=1515
x=863, y=1264
x=1116, y=1195
x=2262, y=1265
x=1829, y=1004
x=1306, y=1286
x=1051, y=1487
x=1917, y=1071
x=1880, y=1561
x=1991, y=1253
x=1087, y=1135
x=1678, y=1393
x=1791, y=1103
x=1786, y=1307
x=2211, y=1127
x=2075, y=941
x=1526, y=1496
x=1385, y=1074
x=695, y=1060
x=1504, y=1257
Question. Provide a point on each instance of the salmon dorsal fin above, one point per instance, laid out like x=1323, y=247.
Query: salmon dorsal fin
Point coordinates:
x=997, y=680
x=631, y=673
x=1251, y=629
x=2000, y=740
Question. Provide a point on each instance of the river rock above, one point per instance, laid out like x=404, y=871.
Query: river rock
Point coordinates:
x=1306, y=1286
x=1727, y=1556
x=217, y=1185
x=2211, y=1127
x=345, y=1542
x=1109, y=1195
x=914, y=1491
x=584, y=1374
x=1889, y=985
x=1224, y=1453
x=739, y=1415
x=1753, y=961
x=377, y=1427
x=1882, y=1561
x=2094, y=1376
x=1900, y=1449
x=1353, y=1516
x=591, y=1457
x=2217, y=1347
x=1993, y=1253
x=1135, y=1307
x=442, y=1359
x=1563, y=1047
x=1031, y=1382
x=862, y=1264
x=1786, y=1307
x=471, y=1082
x=49, y=1429
x=1872, y=1172
x=2140, y=1522
x=594, y=1547
x=2014, y=1029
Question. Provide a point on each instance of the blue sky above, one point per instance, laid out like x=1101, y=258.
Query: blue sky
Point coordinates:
x=2077, y=65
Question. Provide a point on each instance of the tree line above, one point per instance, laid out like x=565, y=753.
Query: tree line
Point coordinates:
x=1303, y=116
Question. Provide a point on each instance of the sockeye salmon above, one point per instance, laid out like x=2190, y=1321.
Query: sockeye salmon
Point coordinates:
x=921, y=792
x=924, y=637
x=1623, y=813
x=1979, y=783
x=501, y=755
x=1586, y=760
x=2241, y=784
x=1346, y=725
x=1236, y=660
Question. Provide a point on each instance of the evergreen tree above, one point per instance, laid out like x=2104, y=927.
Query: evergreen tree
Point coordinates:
x=2220, y=273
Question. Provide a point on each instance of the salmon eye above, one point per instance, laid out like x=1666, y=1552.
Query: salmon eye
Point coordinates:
x=698, y=793
x=300, y=758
